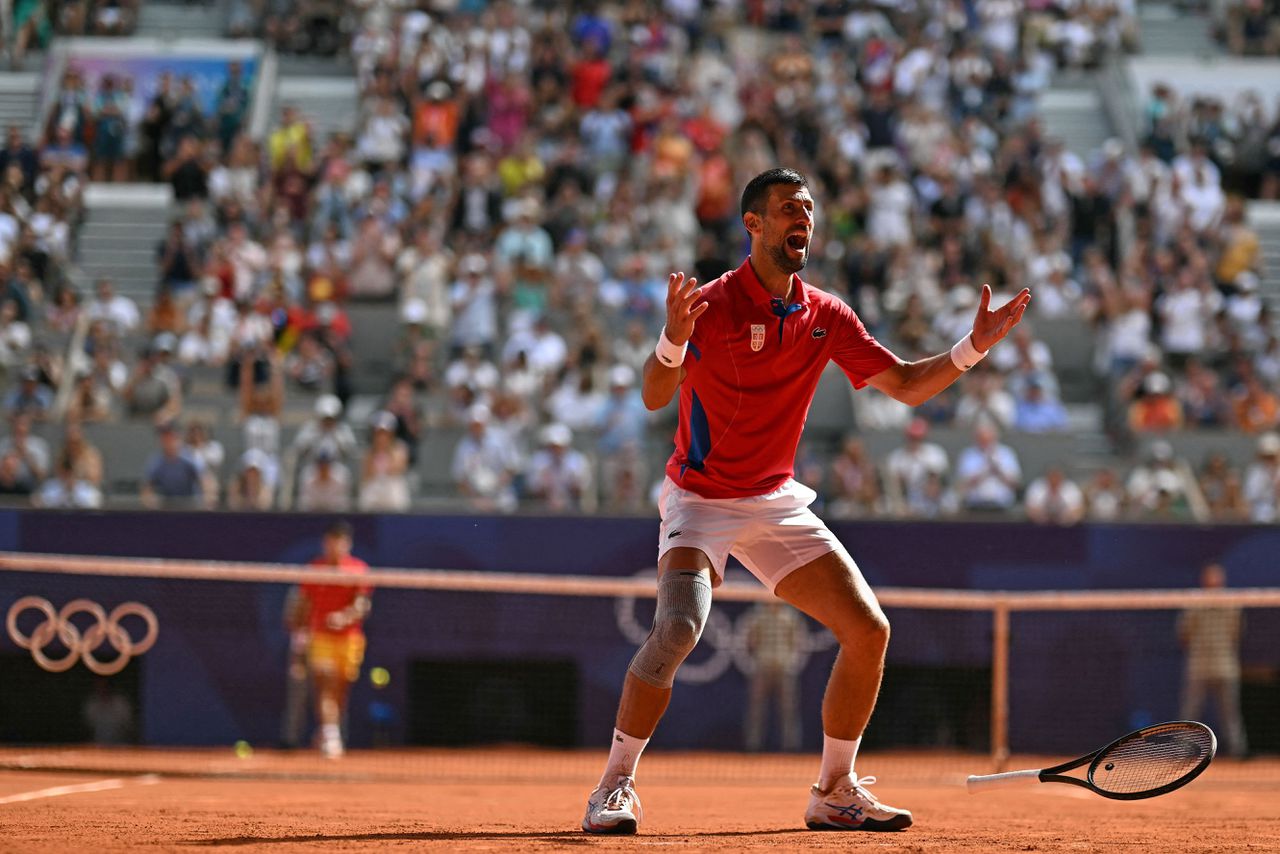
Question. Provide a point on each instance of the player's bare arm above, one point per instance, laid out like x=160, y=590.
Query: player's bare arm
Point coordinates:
x=913, y=383
x=664, y=369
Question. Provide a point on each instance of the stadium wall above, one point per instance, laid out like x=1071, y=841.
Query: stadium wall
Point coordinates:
x=217, y=674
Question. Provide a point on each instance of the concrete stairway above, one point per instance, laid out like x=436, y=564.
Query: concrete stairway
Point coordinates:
x=19, y=100
x=329, y=103
x=124, y=224
x=1072, y=110
x=1168, y=30
x=199, y=20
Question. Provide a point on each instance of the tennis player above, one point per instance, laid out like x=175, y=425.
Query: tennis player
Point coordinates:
x=334, y=616
x=745, y=353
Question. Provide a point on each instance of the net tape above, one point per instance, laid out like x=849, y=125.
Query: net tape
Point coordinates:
x=586, y=585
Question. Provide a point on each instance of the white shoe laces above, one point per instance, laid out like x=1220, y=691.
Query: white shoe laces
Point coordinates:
x=619, y=798
x=860, y=785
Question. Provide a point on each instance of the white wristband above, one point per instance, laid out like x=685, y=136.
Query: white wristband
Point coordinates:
x=669, y=354
x=964, y=355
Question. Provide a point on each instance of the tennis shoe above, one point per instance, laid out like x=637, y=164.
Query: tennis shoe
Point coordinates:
x=849, y=805
x=614, y=811
x=331, y=746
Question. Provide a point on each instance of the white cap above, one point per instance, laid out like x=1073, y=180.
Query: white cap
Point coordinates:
x=328, y=406
x=1269, y=444
x=556, y=434
x=382, y=420
x=478, y=413
x=622, y=375
x=1156, y=383
x=1247, y=281
x=413, y=311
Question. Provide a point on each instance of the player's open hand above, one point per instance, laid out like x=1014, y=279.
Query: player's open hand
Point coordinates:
x=682, y=314
x=991, y=326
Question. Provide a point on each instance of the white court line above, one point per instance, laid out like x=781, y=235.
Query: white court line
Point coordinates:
x=79, y=788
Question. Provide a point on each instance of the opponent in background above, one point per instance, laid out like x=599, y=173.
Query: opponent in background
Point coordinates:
x=334, y=618
x=745, y=353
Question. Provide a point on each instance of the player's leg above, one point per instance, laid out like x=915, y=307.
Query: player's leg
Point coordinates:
x=831, y=590
x=683, y=602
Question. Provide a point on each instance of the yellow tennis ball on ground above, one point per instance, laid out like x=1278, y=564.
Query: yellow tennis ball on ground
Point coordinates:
x=380, y=677
x=243, y=749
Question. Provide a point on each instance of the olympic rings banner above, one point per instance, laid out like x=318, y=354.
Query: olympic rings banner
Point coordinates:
x=82, y=645
x=212, y=656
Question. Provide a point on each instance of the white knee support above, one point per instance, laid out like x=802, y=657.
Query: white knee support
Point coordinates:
x=684, y=601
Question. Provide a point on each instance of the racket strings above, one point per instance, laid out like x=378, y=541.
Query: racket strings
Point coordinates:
x=1152, y=759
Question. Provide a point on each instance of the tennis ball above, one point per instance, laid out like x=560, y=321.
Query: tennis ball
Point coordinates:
x=243, y=749
x=380, y=677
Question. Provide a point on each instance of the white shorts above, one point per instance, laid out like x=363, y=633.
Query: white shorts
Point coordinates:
x=772, y=534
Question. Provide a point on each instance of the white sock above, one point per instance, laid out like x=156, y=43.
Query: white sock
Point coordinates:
x=331, y=732
x=624, y=755
x=838, y=756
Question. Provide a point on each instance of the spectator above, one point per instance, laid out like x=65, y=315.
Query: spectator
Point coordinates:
x=325, y=485
x=1211, y=637
x=1256, y=409
x=1053, y=499
x=30, y=452
x=984, y=398
x=1156, y=410
x=1105, y=498
x=1262, y=480
x=403, y=406
x=384, y=485
x=988, y=474
x=30, y=397
x=559, y=476
x=485, y=463
x=208, y=451
x=66, y=491
x=172, y=479
x=310, y=367
x=13, y=483
x=118, y=311
x=261, y=404
x=85, y=460
x=250, y=489
x=1220, y=485
x=854, y=482
x=1037, y=412
x=1159, y=485
x=325, y=431
x=910, y=467
x=153, y=390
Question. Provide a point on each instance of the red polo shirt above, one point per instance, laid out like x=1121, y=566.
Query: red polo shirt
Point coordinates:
x=751, y=372
x=325, y=599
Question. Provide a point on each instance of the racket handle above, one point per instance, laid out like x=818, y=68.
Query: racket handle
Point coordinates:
x=982, y=782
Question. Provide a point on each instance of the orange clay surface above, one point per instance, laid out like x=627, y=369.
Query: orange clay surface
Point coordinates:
x=462, y=801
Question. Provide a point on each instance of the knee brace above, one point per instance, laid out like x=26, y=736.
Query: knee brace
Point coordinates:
x=684, y=601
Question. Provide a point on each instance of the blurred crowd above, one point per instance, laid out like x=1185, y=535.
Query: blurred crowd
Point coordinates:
x=523, y=177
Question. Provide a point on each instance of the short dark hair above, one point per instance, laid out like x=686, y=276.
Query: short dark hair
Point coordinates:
x=340, y=528
x=757, y=189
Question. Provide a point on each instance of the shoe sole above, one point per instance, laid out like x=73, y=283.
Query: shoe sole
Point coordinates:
x=626, y=827
x=901, y=822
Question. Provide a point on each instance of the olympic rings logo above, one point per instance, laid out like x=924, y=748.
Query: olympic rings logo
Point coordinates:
x=82, y=644
x=727, y=638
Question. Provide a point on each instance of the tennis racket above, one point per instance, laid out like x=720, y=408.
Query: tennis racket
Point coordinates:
x=1151, y=761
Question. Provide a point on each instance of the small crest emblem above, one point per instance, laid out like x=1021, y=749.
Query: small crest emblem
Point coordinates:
x=757, y=336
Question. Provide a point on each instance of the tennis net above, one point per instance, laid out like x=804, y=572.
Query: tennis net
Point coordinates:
x=188, y=667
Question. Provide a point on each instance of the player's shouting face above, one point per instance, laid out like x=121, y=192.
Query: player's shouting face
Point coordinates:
x=785, y=229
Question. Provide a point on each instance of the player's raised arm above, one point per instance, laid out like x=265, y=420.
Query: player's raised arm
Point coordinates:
x=913, y=383
x=663, y=371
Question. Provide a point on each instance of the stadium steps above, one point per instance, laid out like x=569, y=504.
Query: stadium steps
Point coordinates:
x=19, y=99
x=1167, y=30
x=188, y=20
x=329, y=103
x=1265, y=219
x=124, y=223
x=1072, y=110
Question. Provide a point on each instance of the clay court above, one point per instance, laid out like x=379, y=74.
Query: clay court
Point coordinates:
x=293, y=802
